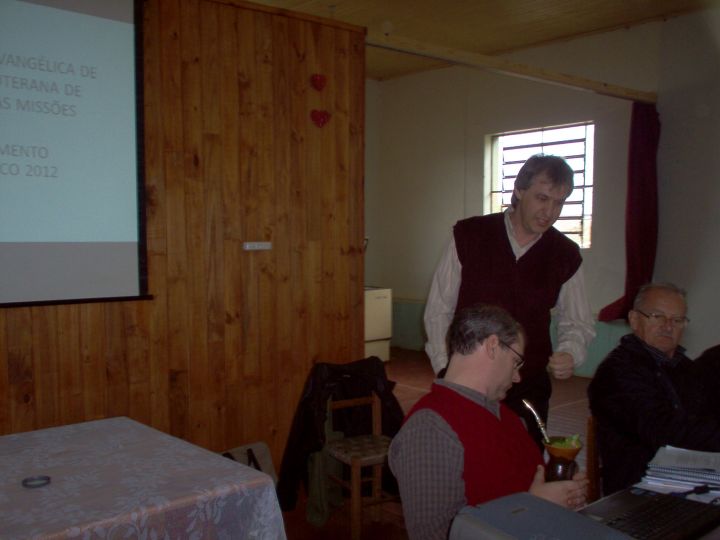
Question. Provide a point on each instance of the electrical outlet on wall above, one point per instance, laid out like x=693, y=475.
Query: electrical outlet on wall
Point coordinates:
x=257, y=246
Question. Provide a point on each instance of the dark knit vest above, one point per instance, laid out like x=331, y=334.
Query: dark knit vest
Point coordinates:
x=500, y=456
x=528, y=288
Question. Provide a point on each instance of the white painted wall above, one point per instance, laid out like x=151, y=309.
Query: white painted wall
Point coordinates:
x=689, y=170
x=629, y=57
x=424, y=167
x=419, y=188
x=373, y=188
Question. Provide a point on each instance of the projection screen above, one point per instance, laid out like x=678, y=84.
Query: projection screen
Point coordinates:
x=71, y=211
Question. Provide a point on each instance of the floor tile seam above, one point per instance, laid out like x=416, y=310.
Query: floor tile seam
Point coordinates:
x=402, y=385
x=568, y=404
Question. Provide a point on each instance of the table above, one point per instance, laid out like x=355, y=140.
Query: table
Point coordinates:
x=117, y=478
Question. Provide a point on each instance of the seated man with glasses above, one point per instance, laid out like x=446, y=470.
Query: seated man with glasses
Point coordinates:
x=647, y=393
x=460, y=444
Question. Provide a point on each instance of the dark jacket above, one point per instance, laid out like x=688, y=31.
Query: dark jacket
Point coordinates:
x=708, y=368
x=307, y=433
x=641, y=404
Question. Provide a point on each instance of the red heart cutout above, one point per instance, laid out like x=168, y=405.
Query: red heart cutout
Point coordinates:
x=318, y=81
x=319, y=118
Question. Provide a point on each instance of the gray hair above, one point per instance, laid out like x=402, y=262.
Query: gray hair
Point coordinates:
x=662, y=286
x=555, y=167
x=473, y=325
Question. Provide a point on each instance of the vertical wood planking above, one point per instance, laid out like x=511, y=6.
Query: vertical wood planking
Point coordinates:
x=178, y=23
x=233, y=224
x=356, y=179
x=247, y=123
x=286, y=313
x=197, y=15
x=341, y=206
x=271, y=300
x=220, y=353
x=156, y=222
x=117, y=379
x=137, y=325
x=93, y=368
x=70, y=366
x=22, y=403
x=45, y=363
x=213, y=174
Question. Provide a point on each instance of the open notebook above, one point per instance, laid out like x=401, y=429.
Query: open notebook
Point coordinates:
x=680, y=468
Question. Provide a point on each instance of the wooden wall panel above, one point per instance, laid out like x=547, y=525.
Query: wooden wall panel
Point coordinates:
x=220, y=354
x=70, y=366
x=20, y=370
x=45, y=350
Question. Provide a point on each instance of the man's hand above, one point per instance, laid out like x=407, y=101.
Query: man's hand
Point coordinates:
x=561, y=365
x=568, y=493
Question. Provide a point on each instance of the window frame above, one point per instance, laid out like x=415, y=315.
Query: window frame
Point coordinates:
x=497, y=199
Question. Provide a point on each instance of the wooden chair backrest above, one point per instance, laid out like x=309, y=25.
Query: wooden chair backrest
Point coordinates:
x=372, y=400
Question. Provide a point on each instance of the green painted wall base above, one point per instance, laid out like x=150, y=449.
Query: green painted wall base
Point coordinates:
x=408, y=327
x=607, y=337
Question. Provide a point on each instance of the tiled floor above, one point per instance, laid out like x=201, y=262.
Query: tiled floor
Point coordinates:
x=413, y=376
x=569, y=410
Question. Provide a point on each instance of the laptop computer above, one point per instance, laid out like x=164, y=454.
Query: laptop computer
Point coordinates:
x=522, y=516
x=649, y=515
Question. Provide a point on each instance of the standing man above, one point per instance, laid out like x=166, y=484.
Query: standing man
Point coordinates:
x=518, y=260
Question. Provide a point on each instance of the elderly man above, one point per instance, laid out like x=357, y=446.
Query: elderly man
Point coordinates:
x=519, y=261
x=459, y=444
x=647, y=393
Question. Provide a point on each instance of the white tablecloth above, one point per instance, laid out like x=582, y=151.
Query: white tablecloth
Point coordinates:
x=117, y=478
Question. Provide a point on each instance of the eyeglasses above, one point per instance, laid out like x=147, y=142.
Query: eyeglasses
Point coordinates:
x=520, y=362
x=661, y=319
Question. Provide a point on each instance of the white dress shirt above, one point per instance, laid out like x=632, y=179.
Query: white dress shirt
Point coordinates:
x=575, y=324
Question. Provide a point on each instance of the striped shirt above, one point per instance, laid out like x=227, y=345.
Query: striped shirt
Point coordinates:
x=427, y=458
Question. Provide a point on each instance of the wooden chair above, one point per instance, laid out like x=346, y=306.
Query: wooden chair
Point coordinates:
x=359, y=452
x=593, y=461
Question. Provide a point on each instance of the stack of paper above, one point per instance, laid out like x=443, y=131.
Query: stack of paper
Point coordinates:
x=683, y=469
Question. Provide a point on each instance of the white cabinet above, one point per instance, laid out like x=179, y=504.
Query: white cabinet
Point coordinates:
x=378, y=322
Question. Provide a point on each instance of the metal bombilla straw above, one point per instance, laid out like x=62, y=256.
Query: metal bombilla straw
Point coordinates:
x=539, y=421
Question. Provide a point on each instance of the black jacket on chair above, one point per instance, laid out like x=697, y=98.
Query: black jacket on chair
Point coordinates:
x=307, y=433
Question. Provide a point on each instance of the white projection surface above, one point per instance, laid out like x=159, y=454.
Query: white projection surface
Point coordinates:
x=70, y=214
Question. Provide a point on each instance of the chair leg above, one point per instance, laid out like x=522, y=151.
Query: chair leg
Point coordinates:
x=355, y=501
x=376, y=491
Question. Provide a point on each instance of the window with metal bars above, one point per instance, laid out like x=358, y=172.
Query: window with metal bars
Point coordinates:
x=575, y=144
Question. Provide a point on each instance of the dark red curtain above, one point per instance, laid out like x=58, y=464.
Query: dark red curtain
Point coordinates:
x=641, y=212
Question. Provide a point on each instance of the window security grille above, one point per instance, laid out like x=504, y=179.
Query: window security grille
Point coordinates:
x=574, y=143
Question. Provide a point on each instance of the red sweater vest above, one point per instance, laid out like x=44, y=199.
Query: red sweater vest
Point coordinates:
x=500, y=456
x=528, y=288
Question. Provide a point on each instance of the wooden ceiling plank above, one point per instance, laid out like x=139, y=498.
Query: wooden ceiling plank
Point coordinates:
x=500, y=65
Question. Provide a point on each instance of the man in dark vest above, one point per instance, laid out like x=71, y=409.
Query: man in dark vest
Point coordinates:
x=517, y=259
x=459, y=445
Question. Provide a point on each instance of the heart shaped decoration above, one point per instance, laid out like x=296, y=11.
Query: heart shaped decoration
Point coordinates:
x=319, y=118
x=318, y=81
